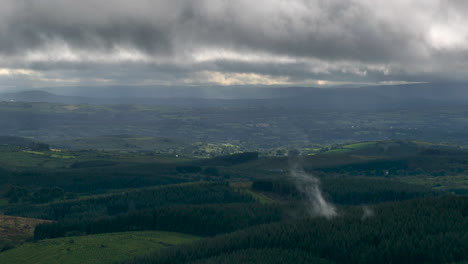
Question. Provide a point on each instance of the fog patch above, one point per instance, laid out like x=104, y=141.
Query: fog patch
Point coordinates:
x=309, y=186
x=366, y=212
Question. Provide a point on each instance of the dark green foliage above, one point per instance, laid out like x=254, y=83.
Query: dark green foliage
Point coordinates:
x=428, y=230
x=45, y=195
x=233, y=159
x=93, y=163
x=202, y=220
x=294, y=153
x=260, y=256
x=6, y=246
x=212, y=171
x=188, y=169
x=380, y=167
x=94, y=177
x=39, y=146
x=18, y=194
x=348, y=190
x=357, y=190
x=283, y=187
x=134, y=200
x=431, y=162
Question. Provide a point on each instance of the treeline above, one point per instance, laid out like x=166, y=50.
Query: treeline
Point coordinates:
x=348, y=190
x=98, y=174
x=426, y=230
x=430, y=162
x=127, y=201
x=19, y=194
x=94, y=180
x=200, y=220
x=232, y=159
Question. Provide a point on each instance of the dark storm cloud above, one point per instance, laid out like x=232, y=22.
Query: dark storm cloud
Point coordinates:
x=330, y=30
x=176, y=40
x=325, y=29
x=35, y=24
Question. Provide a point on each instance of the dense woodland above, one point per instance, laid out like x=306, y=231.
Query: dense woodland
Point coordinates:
x=347, y=191
x=430, y=230
x=123, y=202
x=248, y=207
x=201, y=220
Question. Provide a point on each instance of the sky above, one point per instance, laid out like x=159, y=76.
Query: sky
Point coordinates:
x=46, y=43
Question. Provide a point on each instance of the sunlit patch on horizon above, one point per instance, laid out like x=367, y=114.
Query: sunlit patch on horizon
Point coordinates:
x=7, y=71
x=221, y=78
x=208, y=55
x=322, y=82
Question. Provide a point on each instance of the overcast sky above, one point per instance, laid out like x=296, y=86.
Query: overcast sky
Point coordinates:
x=237, y=42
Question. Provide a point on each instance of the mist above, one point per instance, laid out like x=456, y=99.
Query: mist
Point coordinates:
x=298, y=131
x=367, y=212
x=309, y=186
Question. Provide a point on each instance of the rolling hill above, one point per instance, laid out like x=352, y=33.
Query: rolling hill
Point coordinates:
x=418, y=95
x=93, y=249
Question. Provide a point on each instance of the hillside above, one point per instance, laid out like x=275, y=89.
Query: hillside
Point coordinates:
x=16, y=230
x=91, y=194
x=421, y=95
x=234, y=132
x=386, y=148
x=403, y=232
x=123, y=143
x=93, y=249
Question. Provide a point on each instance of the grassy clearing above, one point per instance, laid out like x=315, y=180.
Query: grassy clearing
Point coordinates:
x=360, y=145
x=351, y=147
x=93, y=249
x=12, y=158
x=388, y=148
x=15, y=230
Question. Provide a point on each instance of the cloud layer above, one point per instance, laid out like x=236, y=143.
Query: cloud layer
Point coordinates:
x=307, y=42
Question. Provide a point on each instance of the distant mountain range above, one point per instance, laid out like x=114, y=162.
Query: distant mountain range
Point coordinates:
x=366, y=98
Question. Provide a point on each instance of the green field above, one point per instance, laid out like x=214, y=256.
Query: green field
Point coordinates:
x=18, y=158
x=351, y=147
x=123, y=143
x=382, y=148
x=93, y=249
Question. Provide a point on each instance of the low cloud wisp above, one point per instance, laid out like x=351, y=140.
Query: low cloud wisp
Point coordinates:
x=309, y=186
